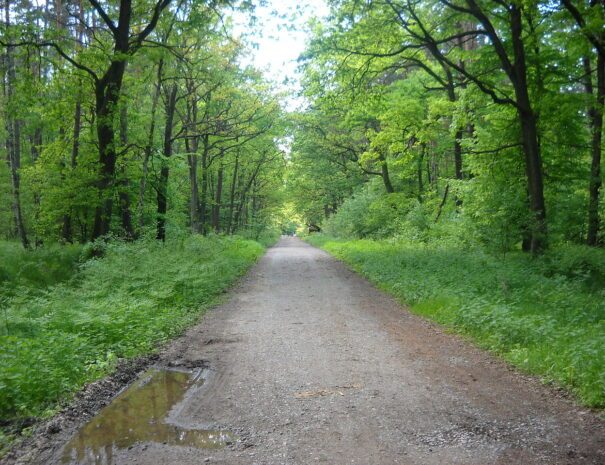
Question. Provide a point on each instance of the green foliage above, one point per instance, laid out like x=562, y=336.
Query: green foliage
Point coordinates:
x=369, y=213
x=122, y=305
x=546, y=315
x=261, y=233
x=36, y=269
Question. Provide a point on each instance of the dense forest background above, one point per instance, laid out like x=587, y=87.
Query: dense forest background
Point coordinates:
x=123, y=118
x=419, y=112
x=479, y=121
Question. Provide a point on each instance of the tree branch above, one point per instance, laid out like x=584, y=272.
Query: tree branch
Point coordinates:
x=106, y=19
x=59, y=50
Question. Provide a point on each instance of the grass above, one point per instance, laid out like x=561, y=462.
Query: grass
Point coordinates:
x=36, y=269
x=546, y=315
x=65, y=327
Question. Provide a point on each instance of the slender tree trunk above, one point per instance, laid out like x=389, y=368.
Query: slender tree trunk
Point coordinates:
x=451, y=94
x=242, y=211
x=194, y=199
x=254, y=204
x=13, y=140
x=36, y=144
x=191, y=144
x=596, y=120
x=442, y=204
x=216, y=208
x=240, y=208
x=419, y=170
x=162, y=197
x=232, y=194
x=204, y=196
x=149, y=147
x=458, y=154
x=67, y=230
x=124, y=184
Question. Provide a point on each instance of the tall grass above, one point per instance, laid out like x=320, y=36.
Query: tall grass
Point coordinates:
x=36, y=269
x=55, y=338
x=546, y=315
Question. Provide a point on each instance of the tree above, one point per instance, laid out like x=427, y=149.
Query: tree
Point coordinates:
x=590, y=18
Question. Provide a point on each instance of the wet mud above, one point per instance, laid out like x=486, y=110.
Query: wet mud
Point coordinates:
x=142, y=414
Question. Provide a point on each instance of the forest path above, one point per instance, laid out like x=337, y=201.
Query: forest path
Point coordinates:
x=309, y=363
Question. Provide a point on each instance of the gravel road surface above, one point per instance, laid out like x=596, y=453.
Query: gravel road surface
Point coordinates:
x=309, y=363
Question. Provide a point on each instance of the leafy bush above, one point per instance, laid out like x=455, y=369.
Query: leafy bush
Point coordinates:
x=124, y=304
x=369, y=213
x=538, y=314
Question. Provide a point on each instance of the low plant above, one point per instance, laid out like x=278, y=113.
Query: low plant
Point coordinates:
x=544, y=315
x=138, y=295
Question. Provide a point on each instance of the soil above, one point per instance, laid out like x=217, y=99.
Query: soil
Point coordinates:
x=309, y=363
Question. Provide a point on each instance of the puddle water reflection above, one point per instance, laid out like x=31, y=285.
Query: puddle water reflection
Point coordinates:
x=139, y=415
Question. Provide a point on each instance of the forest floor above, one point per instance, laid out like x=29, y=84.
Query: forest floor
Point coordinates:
x=307, y=362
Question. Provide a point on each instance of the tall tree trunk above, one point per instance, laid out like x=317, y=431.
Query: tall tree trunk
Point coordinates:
x=194, y=198
x=255, y=204
x=75, y=149
x=451, y=94
x=192, y=145
x=530, y=137
x=419, y=173
x=204, y=196
x=596, y=38
x=67, y=230
x=458, y=153
x=107, y=96
x=240, y=208
x=149, y=147
x=596, y=120
x=162, y=197
x=216, y=208
x=124, y=182
x=107, y=93
x=13, y=139
x=443, y=200
x=232, y=194
x=35, y=140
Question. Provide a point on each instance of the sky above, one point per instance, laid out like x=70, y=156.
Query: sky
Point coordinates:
x=280, y=35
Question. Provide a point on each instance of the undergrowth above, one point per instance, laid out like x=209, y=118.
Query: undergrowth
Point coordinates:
x=55, y=338
x=38, y=268
x=545, y=315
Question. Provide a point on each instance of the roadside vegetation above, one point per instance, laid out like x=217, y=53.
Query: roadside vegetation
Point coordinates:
x=452, y=153
x=545, y=316
x=140, y=178
x=55, y=337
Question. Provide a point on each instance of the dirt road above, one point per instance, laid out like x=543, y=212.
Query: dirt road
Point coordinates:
x=309, y=363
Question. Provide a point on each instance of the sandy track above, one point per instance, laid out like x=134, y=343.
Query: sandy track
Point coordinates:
x=311, y=364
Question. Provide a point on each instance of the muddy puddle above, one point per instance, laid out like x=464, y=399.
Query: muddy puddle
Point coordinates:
x=140, y=414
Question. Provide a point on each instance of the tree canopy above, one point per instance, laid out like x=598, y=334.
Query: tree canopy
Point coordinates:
x=489, y=111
